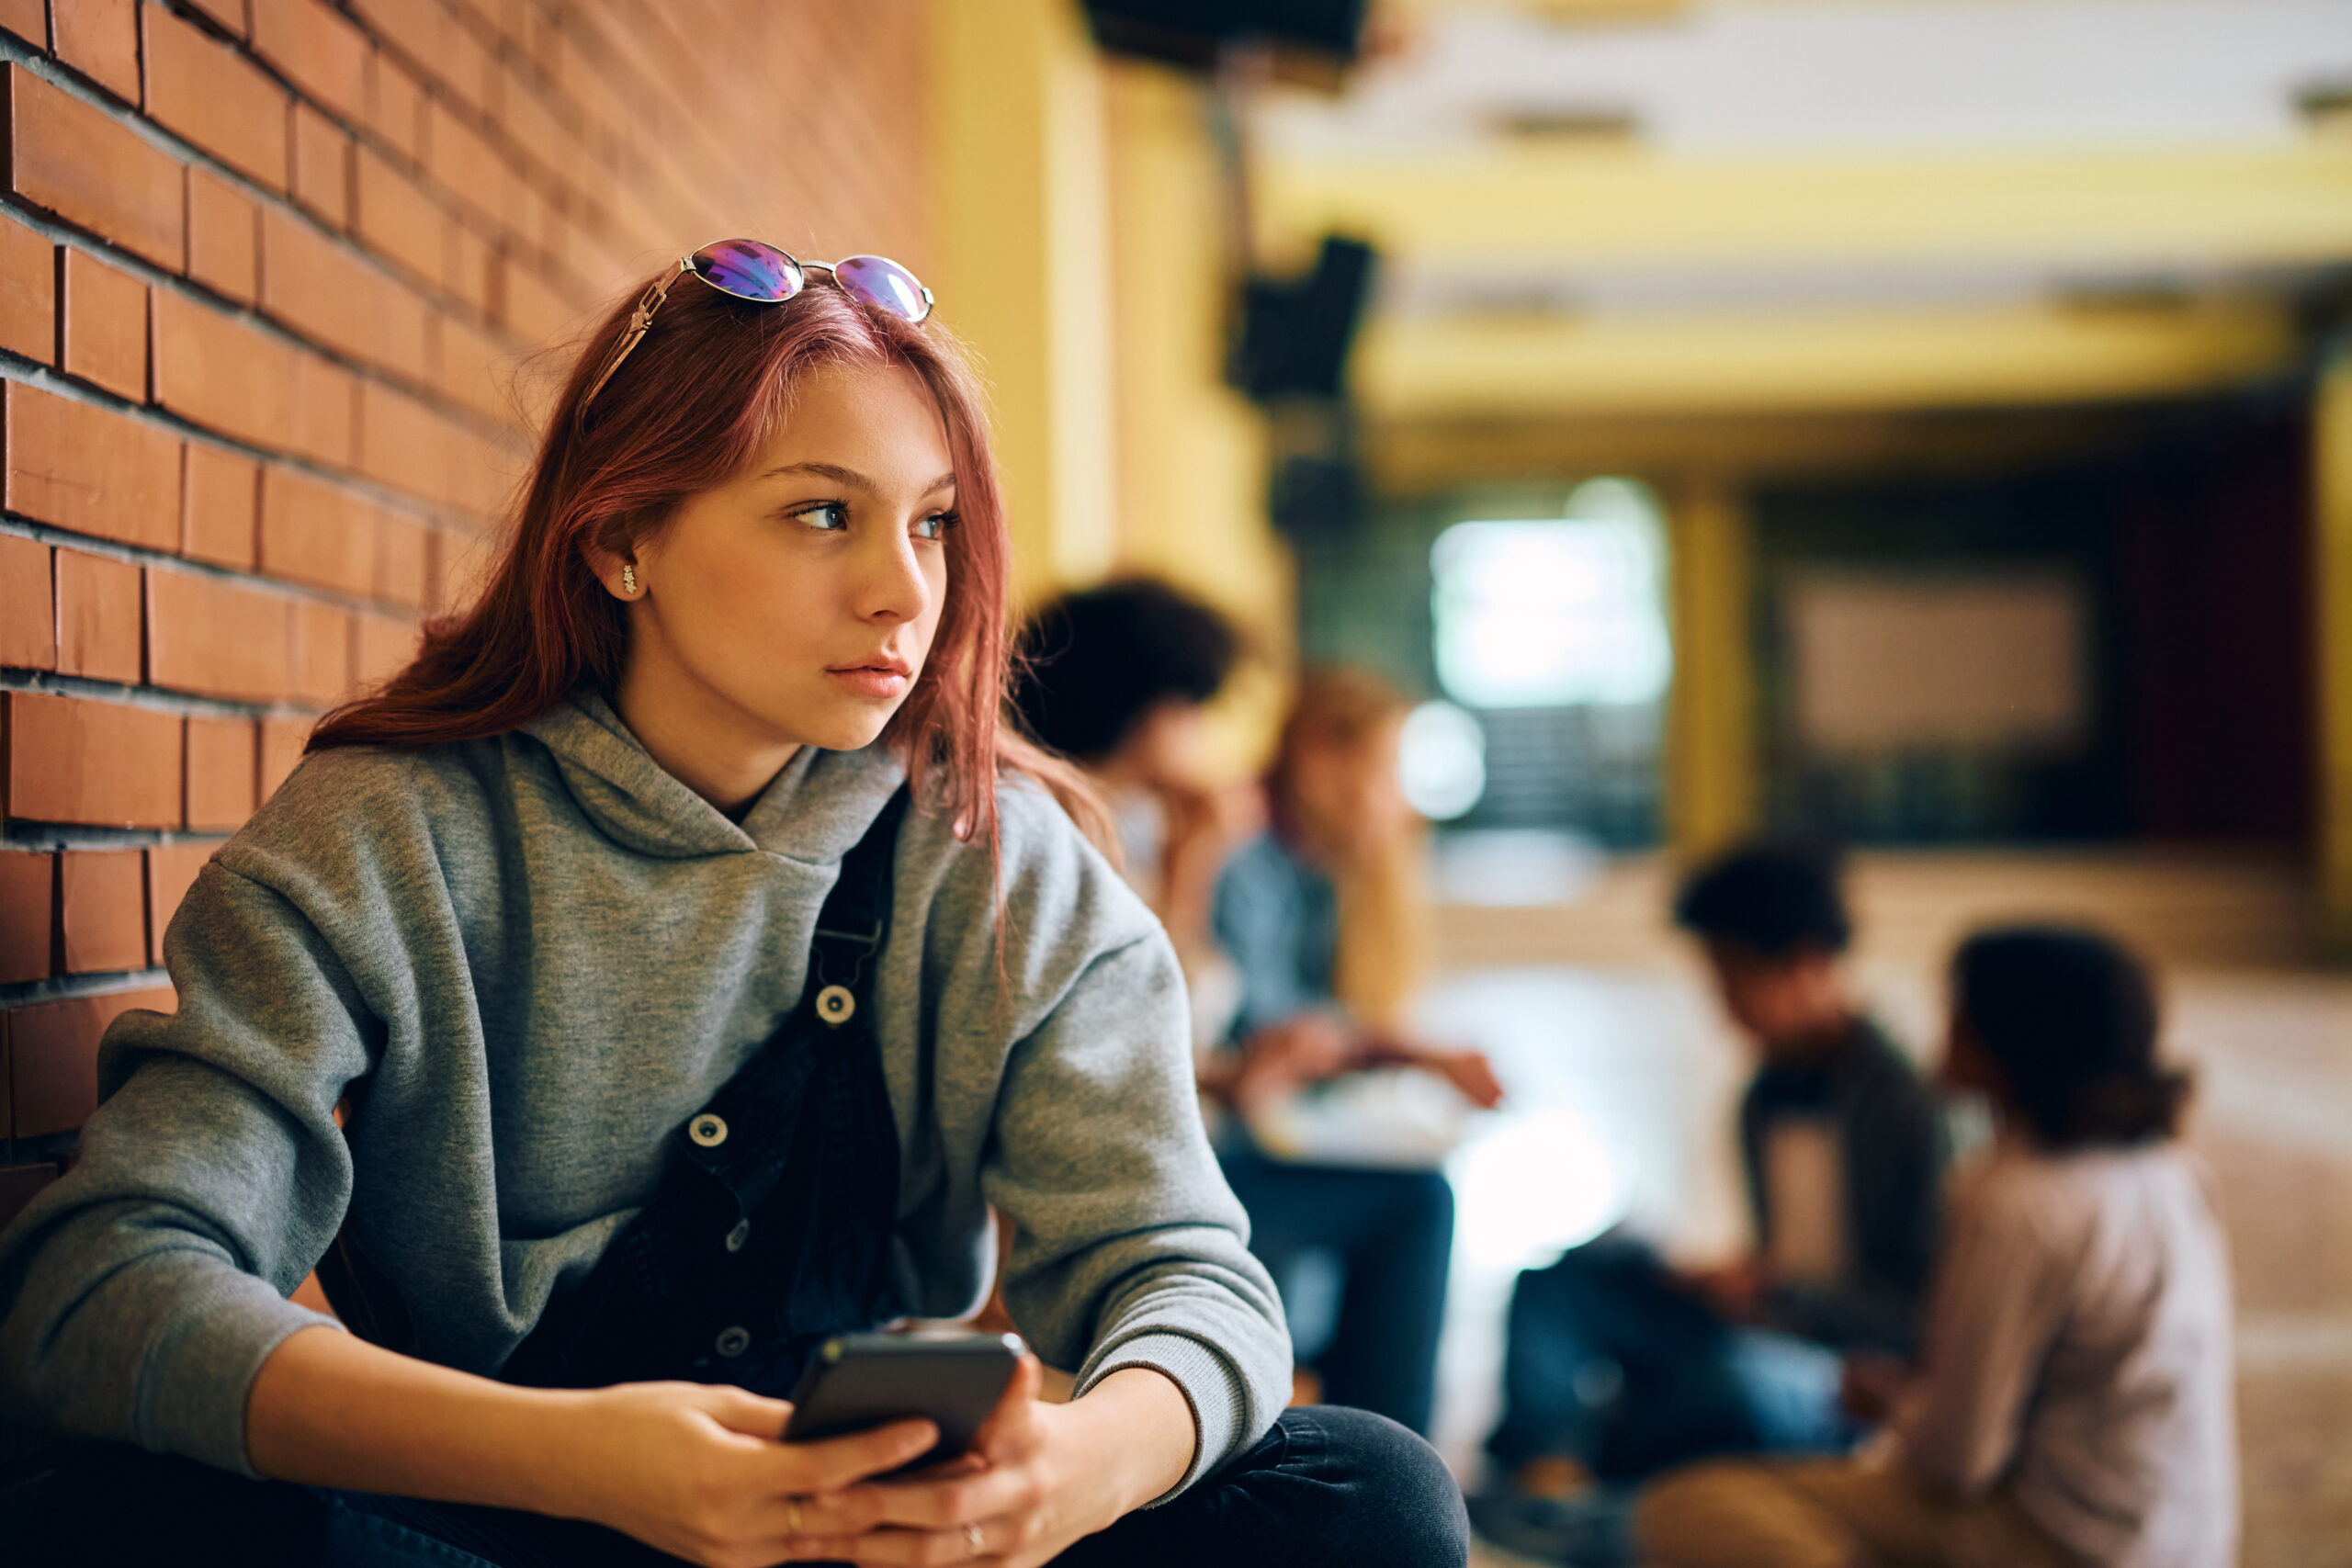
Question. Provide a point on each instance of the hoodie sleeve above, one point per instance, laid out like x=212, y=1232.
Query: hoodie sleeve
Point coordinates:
x=140, y=1295
x=1130, y=1249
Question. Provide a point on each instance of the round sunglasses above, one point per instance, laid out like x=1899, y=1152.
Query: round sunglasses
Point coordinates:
x=749, y=269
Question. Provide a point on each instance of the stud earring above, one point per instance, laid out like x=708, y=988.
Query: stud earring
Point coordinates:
x=628, y=580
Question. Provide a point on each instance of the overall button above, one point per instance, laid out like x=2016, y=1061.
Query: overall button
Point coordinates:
x=733, y=1342
x=708, y=1130
x=739, y=1235
x=835, y=1004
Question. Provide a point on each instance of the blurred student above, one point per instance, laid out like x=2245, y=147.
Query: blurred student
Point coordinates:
x=1619, y=1365
x=1321, y=914
x=2072, y=1401
x=1116, y=678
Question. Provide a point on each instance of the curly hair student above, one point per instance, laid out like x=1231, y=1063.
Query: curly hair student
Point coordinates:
x=671, y=968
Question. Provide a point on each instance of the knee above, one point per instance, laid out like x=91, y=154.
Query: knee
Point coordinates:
x=1681, y=1520
x=1404, y=1507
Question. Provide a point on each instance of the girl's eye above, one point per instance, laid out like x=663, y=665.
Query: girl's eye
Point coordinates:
x=829, y=516
x=936, y=527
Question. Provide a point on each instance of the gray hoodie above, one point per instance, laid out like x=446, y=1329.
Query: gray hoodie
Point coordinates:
x=525, y=960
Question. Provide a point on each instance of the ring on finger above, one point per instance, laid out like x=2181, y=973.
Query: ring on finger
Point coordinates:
x=972, y=1538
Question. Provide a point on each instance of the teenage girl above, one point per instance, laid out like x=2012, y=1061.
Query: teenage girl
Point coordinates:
x=671, y=968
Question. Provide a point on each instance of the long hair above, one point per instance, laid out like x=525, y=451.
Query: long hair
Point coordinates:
x=694, y=404
x=1384, y=908
x=2072, y=1021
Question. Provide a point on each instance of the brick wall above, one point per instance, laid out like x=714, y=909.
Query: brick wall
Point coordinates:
x=276, y=278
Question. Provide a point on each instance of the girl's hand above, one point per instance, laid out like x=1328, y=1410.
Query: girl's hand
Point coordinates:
x=695, y=1470
x=1040, y=1478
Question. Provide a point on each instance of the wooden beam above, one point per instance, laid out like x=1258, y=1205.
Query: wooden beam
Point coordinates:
x=2192, y=207
x=1726, y=363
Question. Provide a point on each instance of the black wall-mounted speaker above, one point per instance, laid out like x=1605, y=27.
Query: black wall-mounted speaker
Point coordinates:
x=1188, y=32
x=1295, y=332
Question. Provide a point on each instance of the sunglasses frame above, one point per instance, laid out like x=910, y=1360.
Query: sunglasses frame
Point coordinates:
x=642, y=319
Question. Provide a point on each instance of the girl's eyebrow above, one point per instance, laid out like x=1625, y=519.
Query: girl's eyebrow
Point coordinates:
x=851, y=477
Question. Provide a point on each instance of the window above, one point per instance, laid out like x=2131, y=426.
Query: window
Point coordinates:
x=1554, y=613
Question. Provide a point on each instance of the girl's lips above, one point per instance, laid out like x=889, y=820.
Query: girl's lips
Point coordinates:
x=872, y=680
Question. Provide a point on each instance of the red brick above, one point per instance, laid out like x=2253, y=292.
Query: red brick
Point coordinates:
x=473, y=370
x=100, y=605
x=395, y=106
x=28, y=916
x=222, y=374
x=220, y=101
x=326, y=411
x=402, y=442
x=316, y=534
x=396, y=219
x=73, y=759
x=20, y=1184
x=216, y=636
x=326, y=293
x=282, y=740
x=469, y=269
x=464, y=165
x=28, y=19
x=223, y=761
x=403, y=548
x=223, y=237
x=171, y=872
x=318, y=50
x=91, y=170
x=100, y=39
x=322, y=656
x=91, y=469
x=321, y=156
x=104, y=325
x=533, y=311
x=28, y=604
x=53, y=1057
x=229, y=15
x=420, y=29
x=381, y=648
x=102, y=910
x=29, y=292
x=219, y=504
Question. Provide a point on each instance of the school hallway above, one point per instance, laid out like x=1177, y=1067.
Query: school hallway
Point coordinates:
x=1623, y=1077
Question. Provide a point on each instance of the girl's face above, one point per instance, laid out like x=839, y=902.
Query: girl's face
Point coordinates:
x=795, y=604
x=1347, y=793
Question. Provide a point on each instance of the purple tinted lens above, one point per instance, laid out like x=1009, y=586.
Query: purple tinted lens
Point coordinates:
x=748, y=270
x=885, y=285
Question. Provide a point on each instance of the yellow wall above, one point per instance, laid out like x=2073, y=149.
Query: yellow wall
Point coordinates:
x=1079, y=228
x=1710, y=762
x=2331, y=441
x=1020, y=234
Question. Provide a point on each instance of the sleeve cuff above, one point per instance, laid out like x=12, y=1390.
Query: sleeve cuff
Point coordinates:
x=201, y=1365
x=1215, y=1391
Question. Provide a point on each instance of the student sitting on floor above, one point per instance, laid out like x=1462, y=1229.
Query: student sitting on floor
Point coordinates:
x=1619, y=1365
x=2073, y=1404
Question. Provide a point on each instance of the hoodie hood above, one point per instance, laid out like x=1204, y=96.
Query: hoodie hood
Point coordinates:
x=812, y=811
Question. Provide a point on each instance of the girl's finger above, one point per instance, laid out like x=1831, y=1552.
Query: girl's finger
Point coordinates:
x=830, y=1463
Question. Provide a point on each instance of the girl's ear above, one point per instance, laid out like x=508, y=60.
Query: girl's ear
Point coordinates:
x=617, y=572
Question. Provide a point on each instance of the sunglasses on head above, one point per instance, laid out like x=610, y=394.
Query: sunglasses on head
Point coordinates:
x=765, y=275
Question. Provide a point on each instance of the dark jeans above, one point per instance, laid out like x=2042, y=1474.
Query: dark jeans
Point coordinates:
x=1324, y=1487
x=1608, y=1361
x=1393, y=1233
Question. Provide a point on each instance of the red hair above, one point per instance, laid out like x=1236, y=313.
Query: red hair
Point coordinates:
x=694, y=404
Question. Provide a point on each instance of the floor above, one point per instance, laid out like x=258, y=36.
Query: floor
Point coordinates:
x=1622, y=1078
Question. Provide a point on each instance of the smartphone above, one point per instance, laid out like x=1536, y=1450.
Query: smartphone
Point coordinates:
x=952, y=1378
